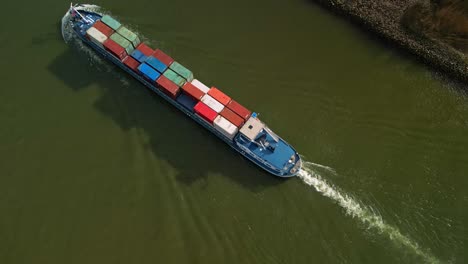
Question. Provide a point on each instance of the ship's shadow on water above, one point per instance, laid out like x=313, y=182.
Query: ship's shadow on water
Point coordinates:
x=173, y=137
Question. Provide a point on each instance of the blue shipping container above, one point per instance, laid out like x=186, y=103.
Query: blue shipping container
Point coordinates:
x=156, y=64
x=148, y=72
x=187, y=101
x=139, y=56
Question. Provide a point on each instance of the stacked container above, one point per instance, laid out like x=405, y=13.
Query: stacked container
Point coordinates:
x=147, y=51
x=129, y=35
x=139, y=56
x=115, y=49
x=142, y=52
x=124, y=43
x=239, y=109
x=103, y=28
x=168, y=87
x=200, y=85
x=205, y=112
x=156, y=64
x=225, y=127
x=192, y=91
x=187, y=101
x=96, y=36
x=232, y=117
x=226, y=115
x=111, y=22
x=174, y=77
x=182, y=71
x=212, y=103
x=131, y=63
x=191, y=96
x=163, y=57
x=219, y=96
x=122, y=35
x=148, y=72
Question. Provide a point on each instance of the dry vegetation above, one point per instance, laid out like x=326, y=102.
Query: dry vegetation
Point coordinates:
x=434, y=27
x=444, y=20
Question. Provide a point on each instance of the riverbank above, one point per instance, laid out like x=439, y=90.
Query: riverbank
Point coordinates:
x=389, y=19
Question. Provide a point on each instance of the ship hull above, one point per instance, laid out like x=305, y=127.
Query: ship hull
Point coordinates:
x=79, y=32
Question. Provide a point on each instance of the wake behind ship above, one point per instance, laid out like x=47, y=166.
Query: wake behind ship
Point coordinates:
x=210, y=107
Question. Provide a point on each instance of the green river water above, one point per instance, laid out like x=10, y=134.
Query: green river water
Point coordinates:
x=96, y=169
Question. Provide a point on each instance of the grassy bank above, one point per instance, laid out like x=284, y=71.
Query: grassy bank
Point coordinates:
x=443, y=20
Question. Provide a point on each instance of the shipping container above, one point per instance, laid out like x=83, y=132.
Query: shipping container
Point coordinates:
x=129, y=35
x=225, y=127
x=193, y=91
x=122, y=42
x=186, y=101
x=111, y=22
x=145, y=49
x=96, y=36
x=131, y=63
x=156, y=64
x=239, y=109
x=115, y=49
x=182, y=71
x=212, y=103
x=174, y=77
x=168, y=87
x=148, y=72
x=232, y=117
x=219, y=96
x=200, y=85
x=166, y=59
x=139, y=56
x=103, y=28
x=205, y=112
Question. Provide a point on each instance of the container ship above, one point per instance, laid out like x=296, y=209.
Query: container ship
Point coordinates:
x=207, y=105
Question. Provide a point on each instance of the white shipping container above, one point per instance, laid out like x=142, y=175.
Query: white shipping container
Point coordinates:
x=96, y=36
x=212, y=103
x=200, y=86
x=225, y=127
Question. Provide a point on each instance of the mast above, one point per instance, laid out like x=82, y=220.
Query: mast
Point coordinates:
x=73, y=9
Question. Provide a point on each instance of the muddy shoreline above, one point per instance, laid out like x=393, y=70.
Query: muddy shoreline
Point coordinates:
x=384, y=18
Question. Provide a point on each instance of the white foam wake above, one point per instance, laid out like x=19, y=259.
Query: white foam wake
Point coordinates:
x=93, y=58
x=70, y=38
x=364, y=214
x=328, y=169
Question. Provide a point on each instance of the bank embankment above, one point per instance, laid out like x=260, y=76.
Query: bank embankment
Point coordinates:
x=425, y=28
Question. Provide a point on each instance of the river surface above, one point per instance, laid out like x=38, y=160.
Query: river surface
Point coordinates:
x=96, y=169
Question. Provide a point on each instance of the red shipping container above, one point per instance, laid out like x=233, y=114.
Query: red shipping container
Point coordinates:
x=103, y=28
x=219, y=96
x=232, y=117
x=131, y=63
x=163, y=57
x=193, y=91
x=115, y=49
x=168, y=87
x=145, y=49
x=205, y=112
x=239, y=109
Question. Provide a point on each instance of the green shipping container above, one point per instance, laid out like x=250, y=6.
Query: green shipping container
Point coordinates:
x=122, y=42
x=182, y=71
x=129, y=35
x=112, y=23
x=174, y=77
